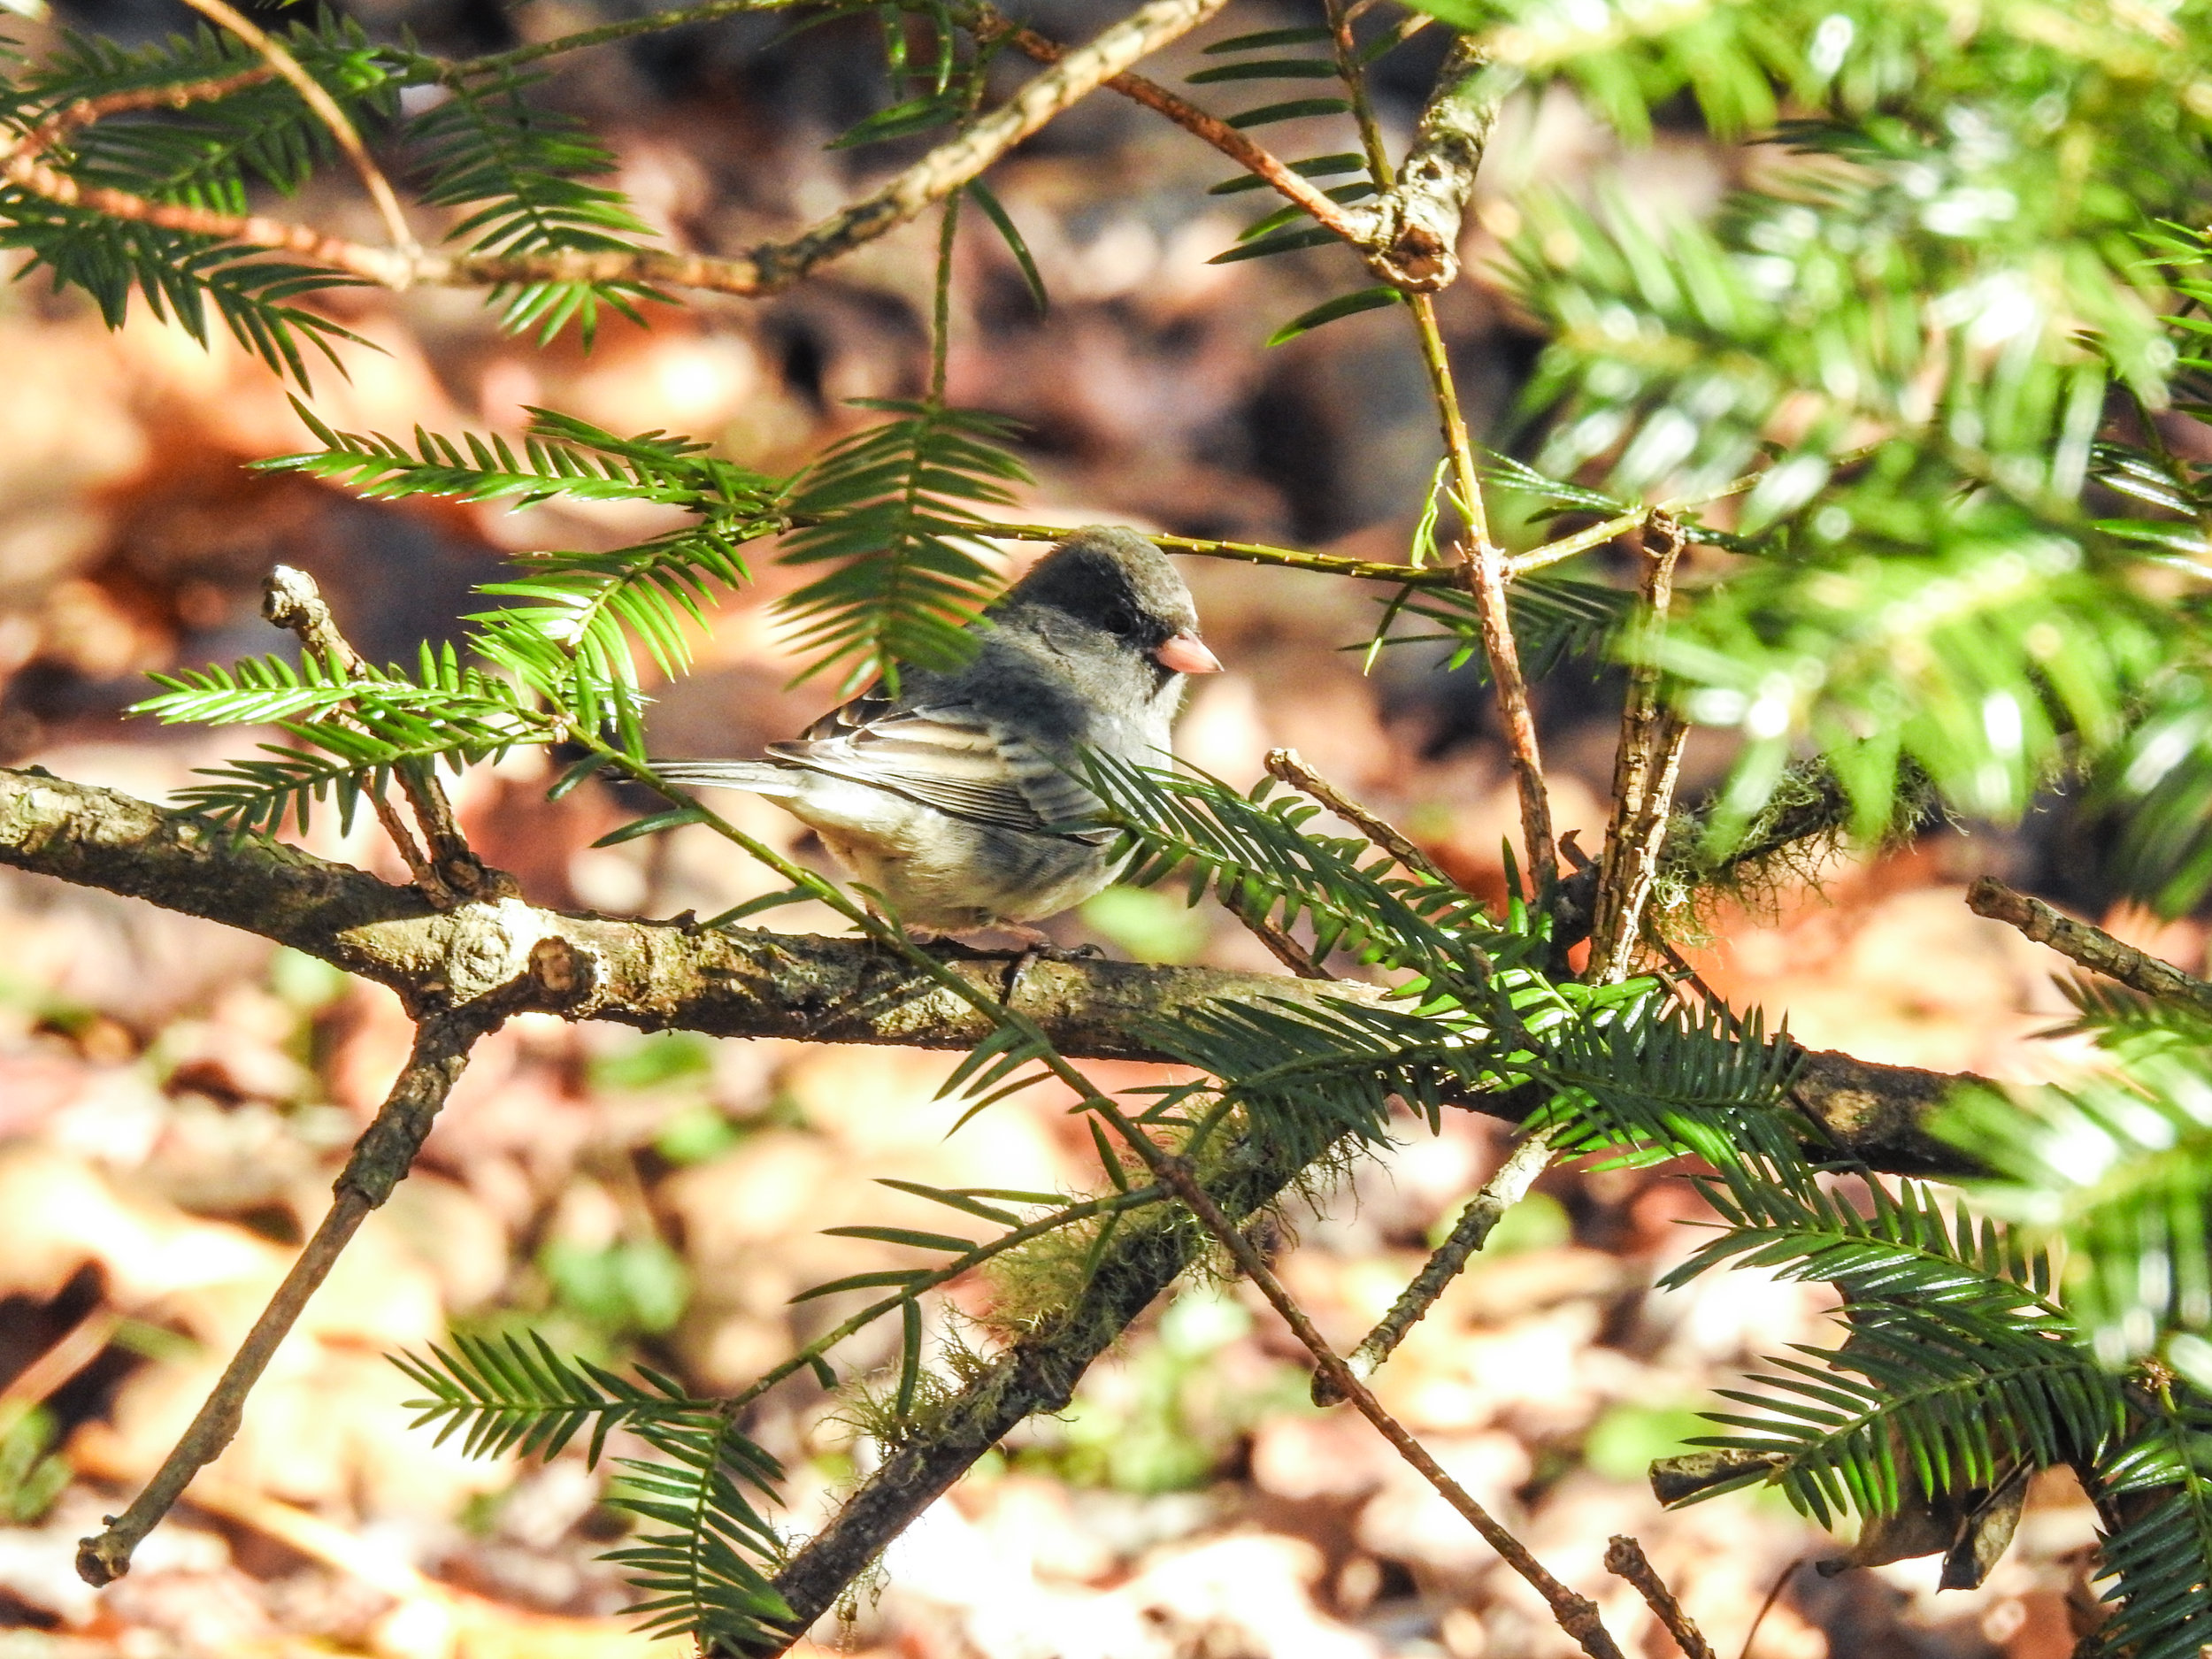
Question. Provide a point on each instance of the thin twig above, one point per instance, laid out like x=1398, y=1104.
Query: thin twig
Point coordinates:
x=1344, y=48
x=2092, y=946
x=387, y=267
x=1481, y=569
x=1420, y=251
x=1781, y=1583
x=1286, y=766
x=1624, y=1558
x=988, y=24
x=177, y=96
x=1646, y=763
x=1280, y=945
x=318, y=98
x=1582, y=540
x=953, y=163
x=1576, y=1615
x=990, y=27
x=1256, y=553
x=380, y=1159
x=1528, y=1159
x=1597, y=534
x=290, y=600
x=454, y=75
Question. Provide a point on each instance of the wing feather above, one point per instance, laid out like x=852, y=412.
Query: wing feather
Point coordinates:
x=947, y=756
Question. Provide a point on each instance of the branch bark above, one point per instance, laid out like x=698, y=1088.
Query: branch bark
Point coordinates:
x=379, y=1161
x=1624, y=1557
x=2092, y=946
x=732, y=982
x=1409, y=234
x=1646, y=764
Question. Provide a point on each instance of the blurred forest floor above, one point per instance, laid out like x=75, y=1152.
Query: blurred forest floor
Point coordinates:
x=174, y=1099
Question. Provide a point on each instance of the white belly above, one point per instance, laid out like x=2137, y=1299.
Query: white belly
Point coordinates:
x=945, y=875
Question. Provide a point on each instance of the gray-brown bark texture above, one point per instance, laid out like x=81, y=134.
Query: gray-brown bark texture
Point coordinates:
x=734, y=982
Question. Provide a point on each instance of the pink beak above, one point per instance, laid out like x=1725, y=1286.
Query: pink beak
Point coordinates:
x=1187, y=654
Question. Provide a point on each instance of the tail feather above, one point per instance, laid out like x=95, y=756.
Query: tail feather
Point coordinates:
x=760, y=777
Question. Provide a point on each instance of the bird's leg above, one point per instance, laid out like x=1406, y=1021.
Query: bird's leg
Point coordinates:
x=1036, y=946
x=1034, y=943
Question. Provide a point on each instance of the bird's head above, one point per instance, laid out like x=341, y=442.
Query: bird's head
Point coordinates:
x=1115, y=580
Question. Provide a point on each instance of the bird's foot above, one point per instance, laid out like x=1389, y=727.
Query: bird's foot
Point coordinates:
x=1036, y=946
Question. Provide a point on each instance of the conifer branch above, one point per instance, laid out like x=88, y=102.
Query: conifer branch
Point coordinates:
x=726, y=982
x=767, y=269
x=1646, y=763
x=734, y=982
x=2092, y=946
x=387, y=267
x=1286, y=766
x=84, y=111
x=989, y=26
x=1280, y=945
x=450, y=871
x=334, y=120
x=304, y=613
x=379, y=1161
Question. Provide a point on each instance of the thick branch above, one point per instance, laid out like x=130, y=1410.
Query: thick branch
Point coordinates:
x=658, y=975
x=730, y=982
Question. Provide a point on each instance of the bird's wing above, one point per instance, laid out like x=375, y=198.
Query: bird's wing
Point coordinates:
x=947, y=756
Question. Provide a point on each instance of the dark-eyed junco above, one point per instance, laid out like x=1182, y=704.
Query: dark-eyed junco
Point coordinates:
x=942, y=798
